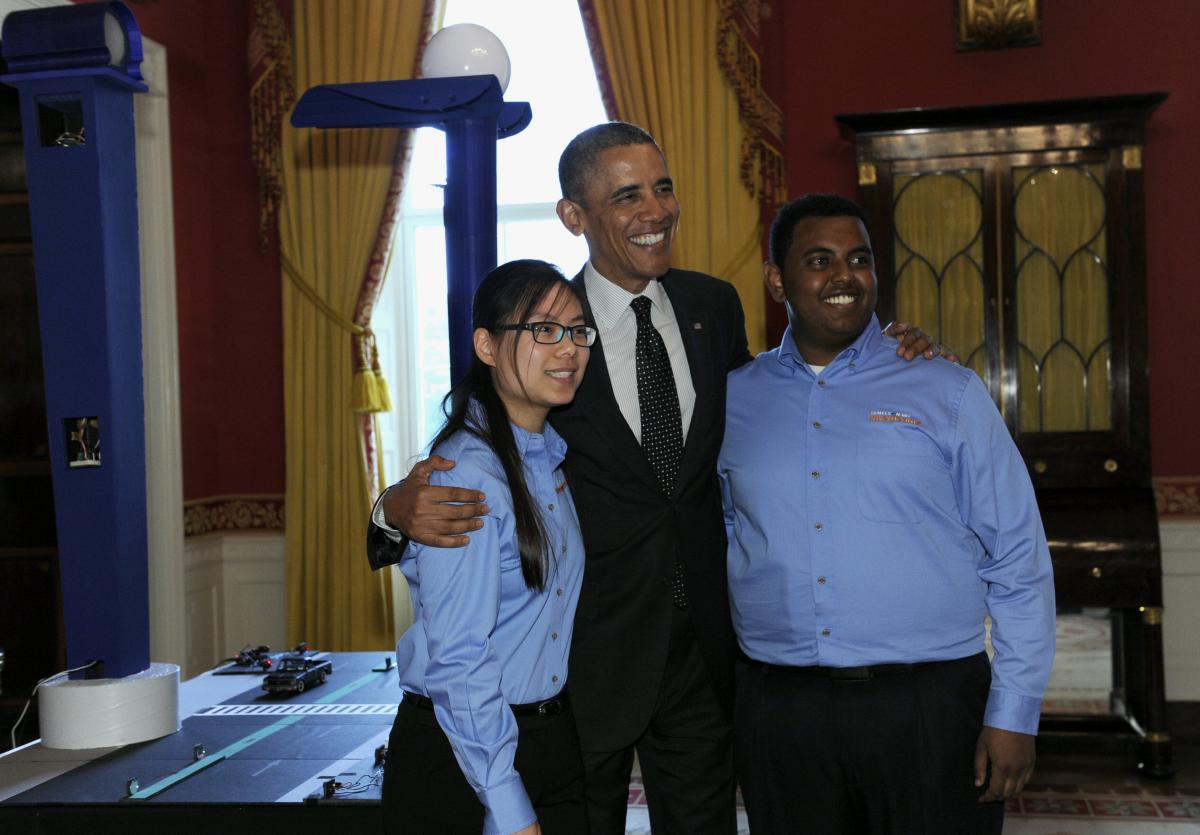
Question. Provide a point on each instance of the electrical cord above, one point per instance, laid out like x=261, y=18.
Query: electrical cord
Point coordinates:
x=12, y=736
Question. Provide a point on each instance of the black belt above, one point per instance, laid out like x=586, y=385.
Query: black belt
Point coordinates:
x=843, y=673
x=547, y=707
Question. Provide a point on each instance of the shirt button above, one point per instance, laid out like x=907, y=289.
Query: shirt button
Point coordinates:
x=564, y=548
x=558, y=592
x=816, y=474
x=821, y=383
x=824, y=634
x=551, y=505
x=820, y=581
x=554, y=678
x=553, y=636
x=819, y=526
x=816, y=424
x=853, y=365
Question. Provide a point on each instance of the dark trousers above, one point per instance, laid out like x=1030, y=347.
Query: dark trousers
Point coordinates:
x=893, y=754
x=424, y=790
x=685, y=753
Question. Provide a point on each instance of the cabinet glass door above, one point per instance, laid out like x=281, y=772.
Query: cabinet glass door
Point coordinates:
x=1061, y=286
x=940, y=218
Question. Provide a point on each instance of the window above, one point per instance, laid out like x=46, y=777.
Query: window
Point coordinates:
x=552, y=70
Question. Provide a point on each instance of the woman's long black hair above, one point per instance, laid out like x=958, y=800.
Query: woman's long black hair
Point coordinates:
x=508, y=295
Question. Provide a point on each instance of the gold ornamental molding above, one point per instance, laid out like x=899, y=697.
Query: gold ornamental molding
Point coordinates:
x=1177, y=497
x=225, y=514
x=991, y=24
x=1131, y=157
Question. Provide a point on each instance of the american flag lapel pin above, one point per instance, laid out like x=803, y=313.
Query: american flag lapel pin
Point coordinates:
x=696, y=326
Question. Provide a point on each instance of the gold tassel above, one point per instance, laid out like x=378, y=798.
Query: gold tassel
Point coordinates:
x=369, y=390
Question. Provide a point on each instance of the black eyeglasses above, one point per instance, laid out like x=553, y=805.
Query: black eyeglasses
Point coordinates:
x=552, y=333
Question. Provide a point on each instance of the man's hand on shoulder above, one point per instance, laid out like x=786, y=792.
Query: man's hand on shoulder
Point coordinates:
x=1011, y=755
x=914, y=342
x=431, y=515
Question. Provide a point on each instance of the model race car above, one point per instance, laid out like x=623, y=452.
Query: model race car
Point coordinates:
x=295, y=672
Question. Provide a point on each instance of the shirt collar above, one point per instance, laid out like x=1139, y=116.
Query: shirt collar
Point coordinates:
x=527, y=442
x=609, y=301
x=863, y=347
x=530, y=443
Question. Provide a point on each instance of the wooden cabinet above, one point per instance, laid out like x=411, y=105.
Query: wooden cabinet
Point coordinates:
x=1015, y=235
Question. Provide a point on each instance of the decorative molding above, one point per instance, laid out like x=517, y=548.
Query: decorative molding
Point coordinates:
x=990, y=24
x=1177, y=497
x=219, y=514
x=1131, y=157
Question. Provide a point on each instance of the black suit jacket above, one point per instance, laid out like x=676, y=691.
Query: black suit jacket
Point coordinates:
x=633, y=533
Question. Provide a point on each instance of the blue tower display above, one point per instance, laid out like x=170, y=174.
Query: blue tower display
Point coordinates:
x=77, y=68
x=473, y=114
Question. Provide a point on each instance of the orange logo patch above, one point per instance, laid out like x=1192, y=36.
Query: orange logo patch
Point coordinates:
x=880, y=416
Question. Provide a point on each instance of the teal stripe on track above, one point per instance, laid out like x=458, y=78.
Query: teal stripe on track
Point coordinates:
x=244, y=743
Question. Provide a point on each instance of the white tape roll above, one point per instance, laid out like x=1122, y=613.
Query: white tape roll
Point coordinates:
x=99, y=713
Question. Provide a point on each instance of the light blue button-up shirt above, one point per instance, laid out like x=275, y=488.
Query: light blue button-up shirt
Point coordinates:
x=482, y=639
x=876, y=513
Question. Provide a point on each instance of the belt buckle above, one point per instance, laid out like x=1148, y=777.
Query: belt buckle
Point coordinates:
x=550, y=707
x=850, y=673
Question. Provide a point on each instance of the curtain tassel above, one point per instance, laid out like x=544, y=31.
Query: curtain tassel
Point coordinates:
x=369, y=389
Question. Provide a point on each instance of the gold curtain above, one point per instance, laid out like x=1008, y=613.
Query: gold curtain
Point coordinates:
x=338, y=186
x=658, y=65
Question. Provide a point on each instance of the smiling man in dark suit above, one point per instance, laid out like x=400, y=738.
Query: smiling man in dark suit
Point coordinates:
x=652, y=659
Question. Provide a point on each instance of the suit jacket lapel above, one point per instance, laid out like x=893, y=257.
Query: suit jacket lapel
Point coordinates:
x=597, y=403
x=695, y=332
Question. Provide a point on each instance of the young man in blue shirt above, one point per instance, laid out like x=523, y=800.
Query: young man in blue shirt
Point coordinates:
x=865, y=702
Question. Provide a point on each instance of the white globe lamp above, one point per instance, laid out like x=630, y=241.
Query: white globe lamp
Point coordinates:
x=466, y=49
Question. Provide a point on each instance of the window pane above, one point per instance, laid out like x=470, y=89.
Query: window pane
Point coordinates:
x=560, y=85
x=542, y=238
x=552, y=70
x=431, y=328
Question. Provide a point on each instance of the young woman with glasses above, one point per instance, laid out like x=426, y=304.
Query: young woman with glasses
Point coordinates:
x=484, y=739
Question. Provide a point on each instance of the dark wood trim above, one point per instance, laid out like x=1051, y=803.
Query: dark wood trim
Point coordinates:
x=1137, y=106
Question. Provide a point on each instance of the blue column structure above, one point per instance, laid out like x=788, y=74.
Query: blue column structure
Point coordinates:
x=472, y=112
x=77, y=68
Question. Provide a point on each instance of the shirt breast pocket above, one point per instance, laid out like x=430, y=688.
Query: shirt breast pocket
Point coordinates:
x=899, y=480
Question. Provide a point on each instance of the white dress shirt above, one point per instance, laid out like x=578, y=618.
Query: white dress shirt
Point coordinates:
x=615, y=321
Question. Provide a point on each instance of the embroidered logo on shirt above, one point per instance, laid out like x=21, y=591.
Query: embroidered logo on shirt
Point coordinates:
x=558, y=488
x=882, y=416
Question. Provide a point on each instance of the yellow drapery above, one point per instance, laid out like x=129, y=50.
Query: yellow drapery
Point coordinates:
x=663, y=74
x=335, y=190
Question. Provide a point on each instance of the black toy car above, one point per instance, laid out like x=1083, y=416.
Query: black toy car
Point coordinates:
x=295, y=672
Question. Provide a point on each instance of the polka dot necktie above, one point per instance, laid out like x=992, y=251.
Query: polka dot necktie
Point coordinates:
x=662, y=424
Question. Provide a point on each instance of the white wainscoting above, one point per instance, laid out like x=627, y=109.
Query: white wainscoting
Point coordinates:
x=234, y=590
x=1181, y=607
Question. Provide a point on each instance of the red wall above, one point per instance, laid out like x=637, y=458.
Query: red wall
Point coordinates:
x=827, y=58
x=230, y=339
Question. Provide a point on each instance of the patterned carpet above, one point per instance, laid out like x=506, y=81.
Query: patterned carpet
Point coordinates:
x=1048, y=810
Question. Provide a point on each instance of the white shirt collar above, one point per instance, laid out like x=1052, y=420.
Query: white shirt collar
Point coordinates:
x=609, y=301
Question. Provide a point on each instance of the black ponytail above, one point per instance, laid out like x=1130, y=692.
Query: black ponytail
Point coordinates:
x=508, y=295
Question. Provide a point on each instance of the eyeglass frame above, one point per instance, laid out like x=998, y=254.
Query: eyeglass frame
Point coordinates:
x=589, y=332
